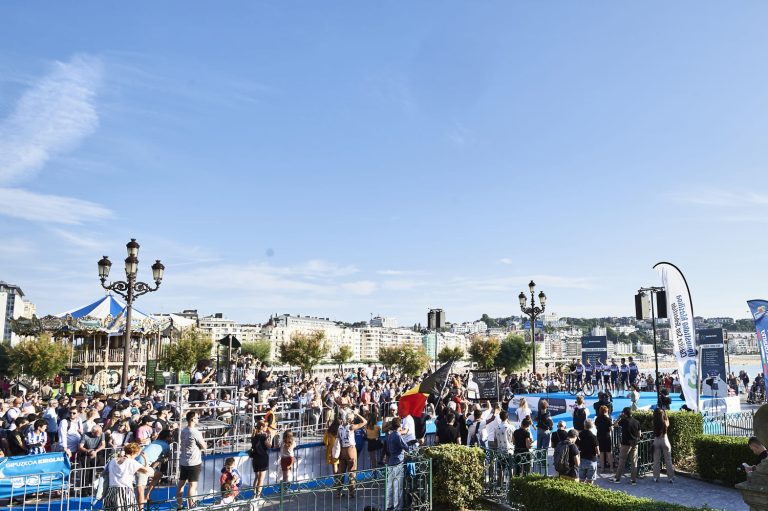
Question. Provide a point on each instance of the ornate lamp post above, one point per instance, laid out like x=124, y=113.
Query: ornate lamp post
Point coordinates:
x=129, y=289
x=533, y=312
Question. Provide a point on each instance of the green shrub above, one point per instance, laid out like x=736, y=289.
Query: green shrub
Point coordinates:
x=720, y=457
x=684, y=429
x=554, y=494
x=458, y=468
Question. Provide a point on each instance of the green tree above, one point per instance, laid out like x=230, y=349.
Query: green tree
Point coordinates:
x=409, y=359
x=450, y=354
x=492, y=323
x=41, y=357
x=261, y=350
x=183, y=355
x=413, y=359
x=514, y=354
x=304, y=351
x=389, y=356
x=483, y=351
x=342, y=356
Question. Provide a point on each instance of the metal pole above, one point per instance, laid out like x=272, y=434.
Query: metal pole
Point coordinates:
x=533, y=335
x=127, y=343
x=655, y=351
x=727, y=352
x=435, y=349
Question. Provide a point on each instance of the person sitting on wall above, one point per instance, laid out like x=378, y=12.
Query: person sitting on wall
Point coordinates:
x=760, y=451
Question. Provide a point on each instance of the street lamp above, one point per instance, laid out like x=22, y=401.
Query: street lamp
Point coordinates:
x=129, y=289
x=533, y=312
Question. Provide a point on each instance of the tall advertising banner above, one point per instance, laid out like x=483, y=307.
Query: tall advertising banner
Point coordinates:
x=759, y=309
x=712, y=347
x=682, y=331
x=594, y=348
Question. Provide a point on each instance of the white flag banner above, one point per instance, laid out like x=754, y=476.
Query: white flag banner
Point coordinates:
x=681, y=330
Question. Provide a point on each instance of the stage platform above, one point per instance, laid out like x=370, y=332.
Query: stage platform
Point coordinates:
x=561, y=404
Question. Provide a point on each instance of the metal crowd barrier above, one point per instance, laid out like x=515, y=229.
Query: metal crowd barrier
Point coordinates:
x=46, y=491
x=501, y=466
x=738, y=424
x=408, y=484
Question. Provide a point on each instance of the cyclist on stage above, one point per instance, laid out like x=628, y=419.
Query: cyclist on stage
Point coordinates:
x=624, y=373
x=614, y=368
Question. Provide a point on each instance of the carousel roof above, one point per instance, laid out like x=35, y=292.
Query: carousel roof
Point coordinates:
x=103, y=308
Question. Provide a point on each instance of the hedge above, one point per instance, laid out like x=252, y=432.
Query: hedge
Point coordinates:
x=541, y=493
x=458, y=468
x=720, y=457
x=684, y=429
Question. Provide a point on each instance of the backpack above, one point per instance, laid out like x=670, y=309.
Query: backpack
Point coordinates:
x=579, y=416
x=561, y=458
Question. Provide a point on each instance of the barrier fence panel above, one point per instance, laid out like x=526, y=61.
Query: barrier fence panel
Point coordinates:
x=501, y=466
x=46, y=491
x=730, y=424
x=644, y=452
x=405, y=486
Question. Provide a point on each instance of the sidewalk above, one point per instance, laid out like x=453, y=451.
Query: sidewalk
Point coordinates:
x=685, y=491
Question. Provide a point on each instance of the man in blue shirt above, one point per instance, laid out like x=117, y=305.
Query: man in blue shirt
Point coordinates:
x=152, y=456
x=396, y=447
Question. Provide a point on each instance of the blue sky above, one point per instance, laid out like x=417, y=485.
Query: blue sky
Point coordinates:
x=346, y=158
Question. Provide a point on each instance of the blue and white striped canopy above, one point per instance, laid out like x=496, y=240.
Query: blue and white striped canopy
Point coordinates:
x=112, y=313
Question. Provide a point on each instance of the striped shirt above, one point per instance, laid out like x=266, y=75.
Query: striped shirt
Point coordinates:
x=36, y=442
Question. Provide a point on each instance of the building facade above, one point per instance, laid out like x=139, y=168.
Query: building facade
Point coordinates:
x=12, y=306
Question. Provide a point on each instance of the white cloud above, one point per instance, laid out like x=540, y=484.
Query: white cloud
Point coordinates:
x=715, y=197
x=37, y=207
x=506, y=260
x=401, y=284
x=396, y=273
x=80, y=241
x=50, y=118
x=362, y=287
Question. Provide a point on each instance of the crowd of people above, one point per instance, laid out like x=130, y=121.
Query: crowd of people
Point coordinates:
x=131, y=434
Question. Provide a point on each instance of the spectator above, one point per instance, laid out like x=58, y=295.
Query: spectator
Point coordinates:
x=230, y=480
x=36, y=438
x=287, y=454
x=120, y=494
x=91, y=453
x=559, y=434
x=580, y=413
x=523, y=410
x=570, y=470
x=505, y=439
x=544, y=425
x=589, y=450
x=51, y=416
x=191, y=443
x=373, y=438
x=17, y=442
x=348, y=456
x=152, y=455
x=396, y=447
x=661, y=446
x=630, y=436
x=604, y=426
x=523, y=441
x=760, y=451
x=259, y=453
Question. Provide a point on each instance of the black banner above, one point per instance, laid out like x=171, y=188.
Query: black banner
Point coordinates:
x=483, y=384
x=594, y=347
x=712, y=348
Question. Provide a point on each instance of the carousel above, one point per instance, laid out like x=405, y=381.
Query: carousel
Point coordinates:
x=96, y=333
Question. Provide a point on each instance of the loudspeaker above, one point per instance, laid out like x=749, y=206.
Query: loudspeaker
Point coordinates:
x=642, y=306
x=661, y=304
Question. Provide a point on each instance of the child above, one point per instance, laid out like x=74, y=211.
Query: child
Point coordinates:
x=230, y=481
x=286, y=454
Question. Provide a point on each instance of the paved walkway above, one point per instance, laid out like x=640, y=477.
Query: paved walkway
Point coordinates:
x=685, y=491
